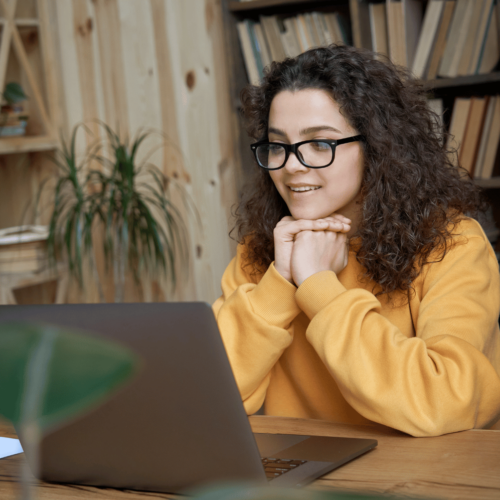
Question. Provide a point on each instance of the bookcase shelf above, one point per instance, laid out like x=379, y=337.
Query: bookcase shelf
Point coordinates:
x=492, y=183
x=267, y=4
x=461, y=81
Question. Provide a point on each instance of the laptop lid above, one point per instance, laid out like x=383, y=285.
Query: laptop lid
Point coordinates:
x=178, y=424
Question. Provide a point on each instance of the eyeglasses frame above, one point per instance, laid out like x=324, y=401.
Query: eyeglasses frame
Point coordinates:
x=293, y=148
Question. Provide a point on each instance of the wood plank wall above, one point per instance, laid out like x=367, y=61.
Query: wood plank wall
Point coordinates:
x=158, y=64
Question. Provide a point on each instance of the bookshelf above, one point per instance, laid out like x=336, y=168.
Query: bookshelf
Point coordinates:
x=446, y=89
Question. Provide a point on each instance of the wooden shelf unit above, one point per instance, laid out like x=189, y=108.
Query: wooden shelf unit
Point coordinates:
x=26, y=57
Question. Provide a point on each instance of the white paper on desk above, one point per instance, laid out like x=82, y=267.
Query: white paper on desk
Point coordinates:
x=9, y=447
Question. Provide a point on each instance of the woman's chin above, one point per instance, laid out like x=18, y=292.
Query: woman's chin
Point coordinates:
x=307, y=214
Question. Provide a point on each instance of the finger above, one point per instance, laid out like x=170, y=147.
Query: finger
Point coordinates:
x=289, y=230
x=339, y=217
x=285, y=220
x=338, y=226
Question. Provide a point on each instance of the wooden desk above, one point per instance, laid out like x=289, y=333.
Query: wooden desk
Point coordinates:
x=465, y=465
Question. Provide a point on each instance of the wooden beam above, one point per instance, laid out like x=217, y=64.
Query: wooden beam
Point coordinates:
x=23, y=58
x=8, y=29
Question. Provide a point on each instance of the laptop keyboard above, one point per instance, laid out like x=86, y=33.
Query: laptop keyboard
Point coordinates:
x=275, y=467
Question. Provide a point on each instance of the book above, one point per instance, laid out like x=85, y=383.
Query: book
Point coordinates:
x=289, y=39
x=480, y=39
x=491, y=50
x=470, y=36
x=273, y=36
x=255, y=47
x=305, y=36
x=333, y=23
x=299, y=32
x=320, y=25
x=313, y=35
x=360, y=20
x=427, y=37
x=458, y=122
x=264, y=48
x=490, y=113
x=436, y=105
x=248, y=53
x=472, y=134
x=324, y=28
x=456, y=38
x=396, y=33
x=378, y=25
x=412, y=15
x=492, y=144
x=439, y=45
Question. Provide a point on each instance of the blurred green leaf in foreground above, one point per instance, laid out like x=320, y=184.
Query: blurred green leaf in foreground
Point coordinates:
x=49, y=374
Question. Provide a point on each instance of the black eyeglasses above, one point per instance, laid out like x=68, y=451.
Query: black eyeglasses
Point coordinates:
x=317, y=153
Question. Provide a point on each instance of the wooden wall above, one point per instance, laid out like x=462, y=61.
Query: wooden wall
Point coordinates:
x=157, y=64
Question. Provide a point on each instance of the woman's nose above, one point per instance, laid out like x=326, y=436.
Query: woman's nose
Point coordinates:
x=293, y=164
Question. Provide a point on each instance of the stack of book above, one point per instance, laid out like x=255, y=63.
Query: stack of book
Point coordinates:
x=275, y=38
x=13, y=120
x=458, y=38
x=23, y=249
x=452, y=38
x=475, y=132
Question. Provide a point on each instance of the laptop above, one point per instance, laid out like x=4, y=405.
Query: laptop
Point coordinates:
x=180, y=423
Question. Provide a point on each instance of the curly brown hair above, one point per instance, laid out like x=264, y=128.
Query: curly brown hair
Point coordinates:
x=413, y=194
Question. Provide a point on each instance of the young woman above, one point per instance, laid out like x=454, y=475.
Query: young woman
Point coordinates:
x=361, y=292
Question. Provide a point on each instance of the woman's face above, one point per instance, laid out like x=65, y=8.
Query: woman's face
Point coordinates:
x=313, y=114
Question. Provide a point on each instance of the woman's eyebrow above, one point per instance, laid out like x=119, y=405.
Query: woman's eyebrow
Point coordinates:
x=305, y=131
x=319, y=128
x=276, y=131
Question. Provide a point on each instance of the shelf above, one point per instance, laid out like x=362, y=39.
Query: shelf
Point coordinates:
x=460, y=81
x=9, y=145
x=23, y=22
x=266, y=4
x=494, y=182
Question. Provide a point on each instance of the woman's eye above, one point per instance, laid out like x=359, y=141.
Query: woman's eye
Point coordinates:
x=320, y=146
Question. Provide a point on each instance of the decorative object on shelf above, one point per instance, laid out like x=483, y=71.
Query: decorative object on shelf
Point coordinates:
x=144, y=232
x=24, y=262
x=13, y=118
x=50, y=375
x=23, y=249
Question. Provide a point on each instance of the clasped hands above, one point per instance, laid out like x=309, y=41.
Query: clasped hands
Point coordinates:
x=305, y=247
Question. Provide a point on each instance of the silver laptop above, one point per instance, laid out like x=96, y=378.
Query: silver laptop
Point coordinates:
x=180, y=424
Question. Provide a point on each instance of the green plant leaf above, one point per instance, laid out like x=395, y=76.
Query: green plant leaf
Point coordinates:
x=14, y=93
x=66, y=372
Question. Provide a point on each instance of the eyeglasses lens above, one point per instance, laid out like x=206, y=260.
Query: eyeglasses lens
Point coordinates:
x=271, y=155
x=314, y=154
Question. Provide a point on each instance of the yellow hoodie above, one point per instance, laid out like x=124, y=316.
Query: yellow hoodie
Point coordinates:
x=330, y=349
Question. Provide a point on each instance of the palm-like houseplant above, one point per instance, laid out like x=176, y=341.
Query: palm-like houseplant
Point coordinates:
x=72, y=220
x=143, y=231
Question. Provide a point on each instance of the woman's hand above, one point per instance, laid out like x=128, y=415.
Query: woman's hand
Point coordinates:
x=287, y=230
x=316, y=251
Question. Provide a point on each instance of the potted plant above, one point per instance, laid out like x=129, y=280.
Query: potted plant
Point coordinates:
x=13, y=118
x=130, y=201
x=144, y=231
